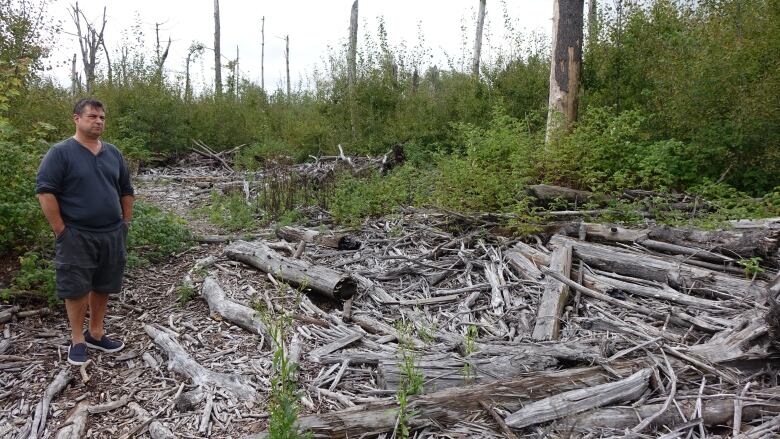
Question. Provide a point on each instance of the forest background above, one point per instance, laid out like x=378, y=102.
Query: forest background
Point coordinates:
x=677, y=96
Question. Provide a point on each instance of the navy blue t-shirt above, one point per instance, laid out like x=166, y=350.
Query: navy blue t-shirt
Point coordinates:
x=87, y=186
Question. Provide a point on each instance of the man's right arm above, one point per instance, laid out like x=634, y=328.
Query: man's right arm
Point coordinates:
x=51, y=210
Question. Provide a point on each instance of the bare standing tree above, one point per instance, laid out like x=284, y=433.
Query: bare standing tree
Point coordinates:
x=217, y=54
x=161, y=57
x=196, y=49
x=262, y=54
x=90, y=42
x=287, y=62
x=75, y=81
x=566, y=64
x=352, y=63
x=478, y=39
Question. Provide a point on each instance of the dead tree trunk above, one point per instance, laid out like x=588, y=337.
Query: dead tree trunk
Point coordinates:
x=340, y=241
x=565, y=65
x=548, y=318
x=262, y=53
x=450, y=405
x=161, y=57
x=352, y=65
x=287, y=62
x=75, y=83
x=317, y=278
x=478, y=39
x=195, y=50
x=217, y=54
x=223, y=308
x=90, y=42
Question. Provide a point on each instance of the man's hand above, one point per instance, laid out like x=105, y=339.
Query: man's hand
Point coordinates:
x=59, y=230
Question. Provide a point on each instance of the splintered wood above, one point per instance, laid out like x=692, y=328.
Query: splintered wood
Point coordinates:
x=590, y=330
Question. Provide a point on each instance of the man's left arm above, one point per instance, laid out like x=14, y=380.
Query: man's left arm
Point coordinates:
x=127, y=192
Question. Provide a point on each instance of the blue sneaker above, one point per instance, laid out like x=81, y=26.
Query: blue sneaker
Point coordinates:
x=105, y=344
x=77, y=354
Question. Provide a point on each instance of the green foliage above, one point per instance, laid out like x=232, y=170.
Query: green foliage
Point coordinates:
x=752, y=266
x=36, y=273
x=185, y=293
x=412, y=380
x=231, y=212
x=284, y=404
x=155, y=235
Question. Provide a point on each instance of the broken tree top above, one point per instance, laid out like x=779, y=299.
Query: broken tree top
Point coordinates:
x=595, y=329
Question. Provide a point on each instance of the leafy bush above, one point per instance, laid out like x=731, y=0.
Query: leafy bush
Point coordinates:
x=155, y=235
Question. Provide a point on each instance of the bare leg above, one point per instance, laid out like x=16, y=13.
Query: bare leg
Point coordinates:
x=98, y=302
x=77, y=313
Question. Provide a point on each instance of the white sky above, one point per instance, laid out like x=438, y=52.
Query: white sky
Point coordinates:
x=312, y=25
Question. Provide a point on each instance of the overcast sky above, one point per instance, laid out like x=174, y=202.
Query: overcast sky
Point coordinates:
x=312, y=25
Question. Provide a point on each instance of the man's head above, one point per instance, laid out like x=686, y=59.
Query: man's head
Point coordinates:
x=90, y=118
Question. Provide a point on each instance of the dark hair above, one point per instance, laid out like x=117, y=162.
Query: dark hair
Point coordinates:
x=88, y=102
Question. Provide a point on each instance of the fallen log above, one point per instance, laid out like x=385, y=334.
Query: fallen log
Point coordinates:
x=180, y=361
x=547, y=193
x=744, y=343
x=42, y=409
x=654, y=268
x=76, y=424
x=548, y=317
x=300, y=273
x=156, y=428
x=339, y=241
x=454, y=404
x=714, y=411
x=570, y=352
x=580, y=400
x=223, y=308
x=441, y=372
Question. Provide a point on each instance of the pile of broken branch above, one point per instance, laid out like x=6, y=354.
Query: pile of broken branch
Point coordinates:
x=594, y=331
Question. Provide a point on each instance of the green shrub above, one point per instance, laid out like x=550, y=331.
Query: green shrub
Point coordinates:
x=36, y=273
x=155, y=235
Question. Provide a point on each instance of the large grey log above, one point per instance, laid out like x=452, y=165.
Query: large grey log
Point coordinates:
x=340, y=241
x=548, y=193
x=441, y=372
x=451, y=405
x=746, y=342
x=716, y=411
x=223, y=308
x=300, y=273
x=180, y=361
x=580, y=400
x=548, y=316
x=678, y=275
x=565, y=351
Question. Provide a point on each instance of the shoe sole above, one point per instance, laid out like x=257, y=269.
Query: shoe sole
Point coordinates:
x=100, y=348
x=74, y=362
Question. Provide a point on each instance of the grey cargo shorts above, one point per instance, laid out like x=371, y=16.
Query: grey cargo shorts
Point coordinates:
x=89, y=261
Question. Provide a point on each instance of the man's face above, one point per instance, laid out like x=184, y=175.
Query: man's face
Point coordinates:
x=91, y=122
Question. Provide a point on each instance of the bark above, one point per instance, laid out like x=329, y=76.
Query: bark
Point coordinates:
x=75, y=83
x=42, y=409
x=746, y=342
x=547, y=193
x=223, y=308
x=714, y=412
x=566, y=64
x=548, y=317
x=156, y=428
x=564, y=351
x=300, y=273
x=658, y=269
x=76, y=424
x=180, y=361
x=454, y=404
x=217, y=54
x=287, y=62
x=339, y=241
x=262, y=54
x=580, y=400
x=478, y=39
x=352, y=51
x=441, y=372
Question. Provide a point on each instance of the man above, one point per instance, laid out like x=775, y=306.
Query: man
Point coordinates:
x=84, y=189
